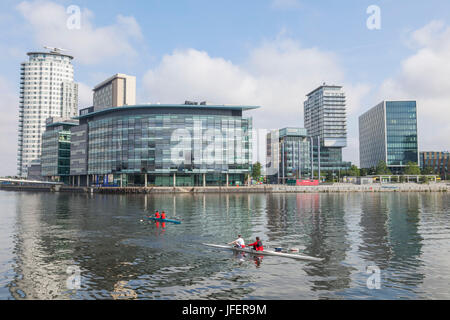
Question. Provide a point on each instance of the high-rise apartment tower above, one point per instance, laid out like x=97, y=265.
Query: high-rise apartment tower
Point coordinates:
x=47, y=90
x=326, y=121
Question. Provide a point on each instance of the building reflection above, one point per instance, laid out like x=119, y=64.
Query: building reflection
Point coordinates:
x=405, y=240
x=329, y=240
x=390, y=238
x=374, y=223
x=42, y=253
x=54, y=234
x=286, y=211
x=321, y=230
x=122, y=258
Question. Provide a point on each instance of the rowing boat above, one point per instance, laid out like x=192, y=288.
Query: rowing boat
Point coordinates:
x=163, y=220
x=266, y=252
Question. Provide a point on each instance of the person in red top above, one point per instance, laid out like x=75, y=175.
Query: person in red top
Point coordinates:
x=157, y=216
x=163, y=215
x=257, y=245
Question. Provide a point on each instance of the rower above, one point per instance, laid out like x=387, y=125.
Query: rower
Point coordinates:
x=257, y=245
x=239, y=242
x=163, y=215
x=157, y=216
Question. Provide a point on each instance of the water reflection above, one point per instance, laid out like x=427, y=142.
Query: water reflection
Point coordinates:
x=405, y=241
x=329, y=239
x=323, y=233
x=119, y=257
x=375, y=247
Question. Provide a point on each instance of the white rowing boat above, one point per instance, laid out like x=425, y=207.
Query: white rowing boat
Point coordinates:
x=266, y=252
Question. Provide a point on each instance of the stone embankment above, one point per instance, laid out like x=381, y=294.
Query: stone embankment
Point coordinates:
x=342, y=187
x=327, y=188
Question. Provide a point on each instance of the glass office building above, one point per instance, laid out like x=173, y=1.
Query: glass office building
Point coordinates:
x=326, y=121
x=163, y=145
x=55, y=154
x=437, y=161
x=388, y=132
x=288, y=155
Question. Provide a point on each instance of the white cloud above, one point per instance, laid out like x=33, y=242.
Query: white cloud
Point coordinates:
x=193, y=74
x=276, y=75
x=424, y=77
x=47, y=22
x=9, y=114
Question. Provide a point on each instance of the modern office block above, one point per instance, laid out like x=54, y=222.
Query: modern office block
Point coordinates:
x=438, y=161
x=116, y=91
x=288, y=155
x=46, y=90
x=55, y=158
x=164, y=145
x=326, y=121
x=79, y=149
x=388, y=132
x=34, y=170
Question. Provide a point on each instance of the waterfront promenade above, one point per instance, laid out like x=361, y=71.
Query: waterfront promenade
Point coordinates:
x=326, y=188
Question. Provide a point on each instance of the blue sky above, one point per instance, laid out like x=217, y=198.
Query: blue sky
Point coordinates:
x=269, y=53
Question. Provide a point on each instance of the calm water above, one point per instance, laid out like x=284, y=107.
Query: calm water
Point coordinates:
x=407, y=236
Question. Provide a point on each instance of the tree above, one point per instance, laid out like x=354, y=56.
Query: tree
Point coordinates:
x=363, y=172
x=382, y=168
x=256, y=171
x=428, y=170
x=353, y=171
x=412, y=168
x=372, y=171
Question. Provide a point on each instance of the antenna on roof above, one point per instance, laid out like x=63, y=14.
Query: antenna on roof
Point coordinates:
x=54, y=49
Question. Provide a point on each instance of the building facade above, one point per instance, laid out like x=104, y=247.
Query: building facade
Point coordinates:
x=116, y=91
x=55, y=157
x=162, y=145
x=35, y=170
x=47, y=90
x=438, y=162
x=79, y=154
x=388, y=132
x=325, y=119
x=288, y=155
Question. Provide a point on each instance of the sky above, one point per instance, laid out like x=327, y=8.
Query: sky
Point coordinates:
x=269, y=53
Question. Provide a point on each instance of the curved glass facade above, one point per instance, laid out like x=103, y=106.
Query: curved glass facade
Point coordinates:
x=161, y=141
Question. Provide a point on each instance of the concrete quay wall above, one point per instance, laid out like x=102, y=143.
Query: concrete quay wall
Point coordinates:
x=406, y=187
x=328, y=188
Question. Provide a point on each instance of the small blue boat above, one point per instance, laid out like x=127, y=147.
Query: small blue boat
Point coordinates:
x=163, y=220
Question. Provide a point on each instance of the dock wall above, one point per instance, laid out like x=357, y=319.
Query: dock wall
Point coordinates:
x=333, y=188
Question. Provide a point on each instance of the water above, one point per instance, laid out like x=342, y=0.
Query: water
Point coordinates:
x=45, y=236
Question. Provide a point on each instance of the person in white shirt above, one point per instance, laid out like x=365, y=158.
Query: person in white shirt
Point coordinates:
x=239, y=242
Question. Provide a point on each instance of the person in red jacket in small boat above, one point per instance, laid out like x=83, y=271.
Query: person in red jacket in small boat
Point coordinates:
x=257, y=245
x=157, y=215
x=163, y=215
